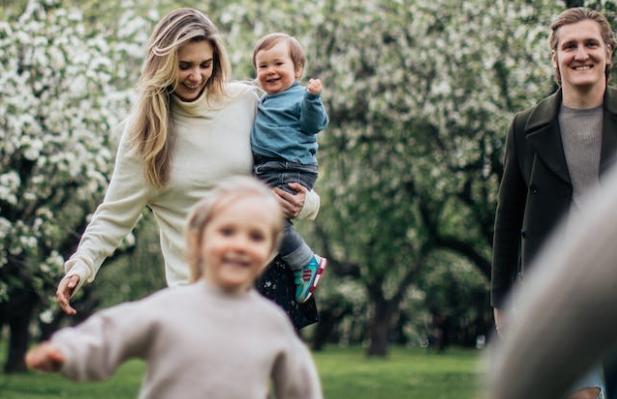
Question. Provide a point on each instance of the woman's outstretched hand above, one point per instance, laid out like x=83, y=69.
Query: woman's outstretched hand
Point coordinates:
x=65, y=290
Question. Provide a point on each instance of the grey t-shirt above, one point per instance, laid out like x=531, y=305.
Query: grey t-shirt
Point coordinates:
x=581, y=133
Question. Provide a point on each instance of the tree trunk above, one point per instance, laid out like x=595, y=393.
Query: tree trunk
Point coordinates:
x=379, y=329
x=323, y=330
x=18, y=314
x=329, y=318
x=574, y=3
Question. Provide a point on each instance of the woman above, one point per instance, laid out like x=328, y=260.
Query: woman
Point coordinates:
x=189, y=129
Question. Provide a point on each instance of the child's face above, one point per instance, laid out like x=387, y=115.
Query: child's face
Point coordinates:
x=237, y=243
x=275, y=68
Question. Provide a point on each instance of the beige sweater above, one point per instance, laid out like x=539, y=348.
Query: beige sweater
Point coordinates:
x=211, y=144
x=198, y=341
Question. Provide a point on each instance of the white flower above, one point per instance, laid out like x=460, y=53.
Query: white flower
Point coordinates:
x=46, y=316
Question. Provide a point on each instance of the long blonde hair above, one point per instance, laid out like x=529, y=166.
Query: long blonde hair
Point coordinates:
x=224, y=194
x=152, y=134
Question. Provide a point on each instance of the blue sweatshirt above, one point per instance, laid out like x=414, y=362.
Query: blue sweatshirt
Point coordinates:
x=287, y=124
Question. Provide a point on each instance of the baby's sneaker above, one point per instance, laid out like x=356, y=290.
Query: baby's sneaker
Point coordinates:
x=307, y=278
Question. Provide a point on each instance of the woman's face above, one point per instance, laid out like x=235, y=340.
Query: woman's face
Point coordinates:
x=195, y=64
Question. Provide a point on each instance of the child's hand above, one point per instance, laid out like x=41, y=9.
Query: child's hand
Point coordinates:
x=45, y=357
x=314, y=86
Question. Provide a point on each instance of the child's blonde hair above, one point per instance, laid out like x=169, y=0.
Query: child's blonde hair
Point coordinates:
x=296, y=53
x=224, y=194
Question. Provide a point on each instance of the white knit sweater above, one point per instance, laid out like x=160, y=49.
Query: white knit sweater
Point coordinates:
x=198, y=342
x=211, y=144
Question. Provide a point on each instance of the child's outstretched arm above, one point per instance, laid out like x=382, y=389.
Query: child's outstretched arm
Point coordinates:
x=313, y=116
x=45, y=357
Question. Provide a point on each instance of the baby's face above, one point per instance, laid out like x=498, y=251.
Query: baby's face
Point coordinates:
x=275, y=68
x=237, y=244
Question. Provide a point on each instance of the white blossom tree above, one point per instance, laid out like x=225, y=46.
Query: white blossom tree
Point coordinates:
x=420, y=94
x=59, y=114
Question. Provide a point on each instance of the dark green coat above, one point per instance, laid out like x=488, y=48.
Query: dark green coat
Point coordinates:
x=536, y=191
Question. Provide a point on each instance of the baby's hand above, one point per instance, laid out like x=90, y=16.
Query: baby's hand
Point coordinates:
x=314, y=86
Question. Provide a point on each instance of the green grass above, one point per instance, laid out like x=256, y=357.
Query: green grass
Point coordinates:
x=345, y=373
x=405, y=373
x=35, y=385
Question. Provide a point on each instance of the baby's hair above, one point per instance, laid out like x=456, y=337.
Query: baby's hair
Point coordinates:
x=221, y=196
x=295, y=49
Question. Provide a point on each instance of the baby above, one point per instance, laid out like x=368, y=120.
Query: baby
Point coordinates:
x=284, y=141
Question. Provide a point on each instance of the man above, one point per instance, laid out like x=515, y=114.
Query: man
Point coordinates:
x=556, y=152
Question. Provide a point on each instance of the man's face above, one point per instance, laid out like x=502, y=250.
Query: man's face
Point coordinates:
x=581, y=56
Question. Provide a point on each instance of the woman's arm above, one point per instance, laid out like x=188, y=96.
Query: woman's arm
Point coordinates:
x=125, y=200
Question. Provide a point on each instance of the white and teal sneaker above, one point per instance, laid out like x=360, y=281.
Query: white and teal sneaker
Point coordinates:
x=306, y=279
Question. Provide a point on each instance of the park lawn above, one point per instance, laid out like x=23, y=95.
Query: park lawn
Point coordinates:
x=405, y=374
x=346, y=373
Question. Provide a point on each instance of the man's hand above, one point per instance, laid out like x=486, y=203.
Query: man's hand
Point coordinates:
x=500, y=321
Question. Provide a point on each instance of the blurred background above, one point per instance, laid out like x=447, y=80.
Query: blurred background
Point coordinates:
x=420, y=94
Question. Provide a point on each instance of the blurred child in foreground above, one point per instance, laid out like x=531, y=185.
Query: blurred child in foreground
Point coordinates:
x=217, y=337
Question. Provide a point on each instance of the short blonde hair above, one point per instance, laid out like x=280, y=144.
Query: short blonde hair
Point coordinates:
x=296, y=53
x=223, y=195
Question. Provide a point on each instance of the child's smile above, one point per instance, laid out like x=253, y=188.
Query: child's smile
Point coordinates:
x=237, y=244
